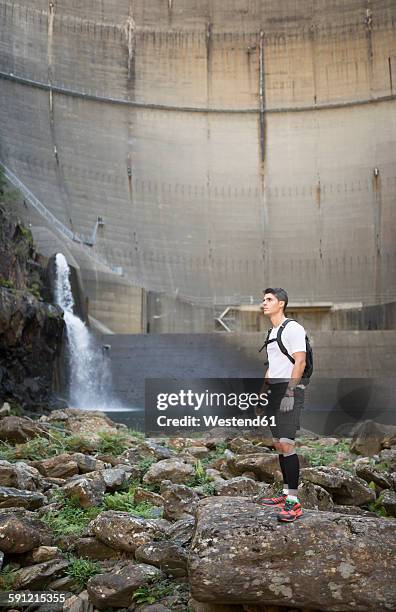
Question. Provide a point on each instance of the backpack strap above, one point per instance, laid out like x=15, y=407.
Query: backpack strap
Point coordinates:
x=266, y=340
x=282, y=347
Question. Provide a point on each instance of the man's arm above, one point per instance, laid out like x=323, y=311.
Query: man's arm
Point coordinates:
x=297, y=372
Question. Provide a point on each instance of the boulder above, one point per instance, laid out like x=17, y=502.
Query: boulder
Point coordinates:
x=264, y=465
x=314, y=497
x=142, y=495
x=115, y=589
x=369, y=438
x=388, y=499
x=86, y=463
x=88, y=491
x=19, y=475
x=170, y=557
x=181, y=531
x=20, y=534
x=78, y=603
x=17, y=430
x=175, y=470
x=345, y=488
x=11, y=497
x=367, y=472
x=36, y=577
x=179, y=500
x=123, y=531
x=85, y=424
x=59, y=466
x=199, y=606
x=148, y=448
x=91, y=548
x=241, y=554
x=238, y=486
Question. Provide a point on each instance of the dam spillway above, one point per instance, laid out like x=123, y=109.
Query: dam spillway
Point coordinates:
x=227, y=144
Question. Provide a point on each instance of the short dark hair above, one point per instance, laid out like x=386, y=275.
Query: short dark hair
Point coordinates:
x=279, y=293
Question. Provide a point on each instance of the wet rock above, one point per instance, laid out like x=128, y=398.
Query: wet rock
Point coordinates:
x=123, y=531
x=88, y=491
x=91, y=548
x=11, y=497
x=175, y=470
x=20, y=534
x=344, y=562
x=179, y=500
x=388, y=499
x=238, y=486
x=314, y=497
x=19, y=475
x=342, y=486
x=116, y=589
x=182, y=530
x=170, y=557
x=16, y=430
x=142, y=495
x=37, y=576
x=369, y=436
x=59, y=466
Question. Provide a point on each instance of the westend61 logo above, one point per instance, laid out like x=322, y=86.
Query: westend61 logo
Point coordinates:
x=170, y=407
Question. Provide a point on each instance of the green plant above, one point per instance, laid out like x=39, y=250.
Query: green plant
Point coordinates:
x=134, y=433
x=81, y=570
x=200, y=477
x=70, y=518
x=7, y=284
x=145, y=463
x=7, y=577
x=318, y=454
x=151, y=593
x=125, y=502
x=112, y=443
x=377, y=507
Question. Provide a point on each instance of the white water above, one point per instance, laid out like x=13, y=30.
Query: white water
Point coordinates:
x=90, y=381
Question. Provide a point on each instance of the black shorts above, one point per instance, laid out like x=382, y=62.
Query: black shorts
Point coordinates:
x=286, y=423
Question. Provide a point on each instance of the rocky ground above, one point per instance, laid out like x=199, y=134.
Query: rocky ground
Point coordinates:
x=91, y=508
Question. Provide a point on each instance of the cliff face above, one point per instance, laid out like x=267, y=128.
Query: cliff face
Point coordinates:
x=31, y=329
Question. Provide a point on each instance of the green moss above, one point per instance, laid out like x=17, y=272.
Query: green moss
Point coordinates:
x=7, y=576
x=7, y=284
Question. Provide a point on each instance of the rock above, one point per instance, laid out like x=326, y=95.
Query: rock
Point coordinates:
x=115, y=478
x=343, y=562
x=238, y=486
x=328, y=441
x=181, y=531
x=5, y=410
x=11, y=497
x=198, y=606
x=369, y=436
x=142, y=495
x=19, y=475
x=198, y=452
x=116, y=589
x=314, y=497
x=307, y=434
x=122, y=530
x=241, y=446
x=169, y=557
x=16, y=430
x=20, y=534
x=388, y=499
x=179, y=500
x=148, y=448
x=88, y=491
x=342, y=486
x=353, y=511
x=219, y=435
x=91, y=548
x=86, y=463
x=36, y=577
x=157, y=607
x=85, y=424
x=175, y=470
x=59, y=466
x=388, y=455
x=367, y=472
x=78, y=603
x=43, y=554
x=264, y=465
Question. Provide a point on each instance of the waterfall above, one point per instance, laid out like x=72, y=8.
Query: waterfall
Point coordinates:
x=89, y=368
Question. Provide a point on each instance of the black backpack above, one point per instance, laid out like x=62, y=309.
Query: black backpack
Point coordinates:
x=309, y=356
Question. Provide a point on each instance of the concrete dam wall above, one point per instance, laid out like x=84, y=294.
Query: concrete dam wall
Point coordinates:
x=227, y=144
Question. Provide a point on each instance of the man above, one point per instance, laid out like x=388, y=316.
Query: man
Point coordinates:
x=285, y=397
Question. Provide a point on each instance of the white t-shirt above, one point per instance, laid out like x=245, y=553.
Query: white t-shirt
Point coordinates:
x=293, y=338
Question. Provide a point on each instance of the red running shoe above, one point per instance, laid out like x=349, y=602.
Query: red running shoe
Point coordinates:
x=290, y=512
x=277, y=502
